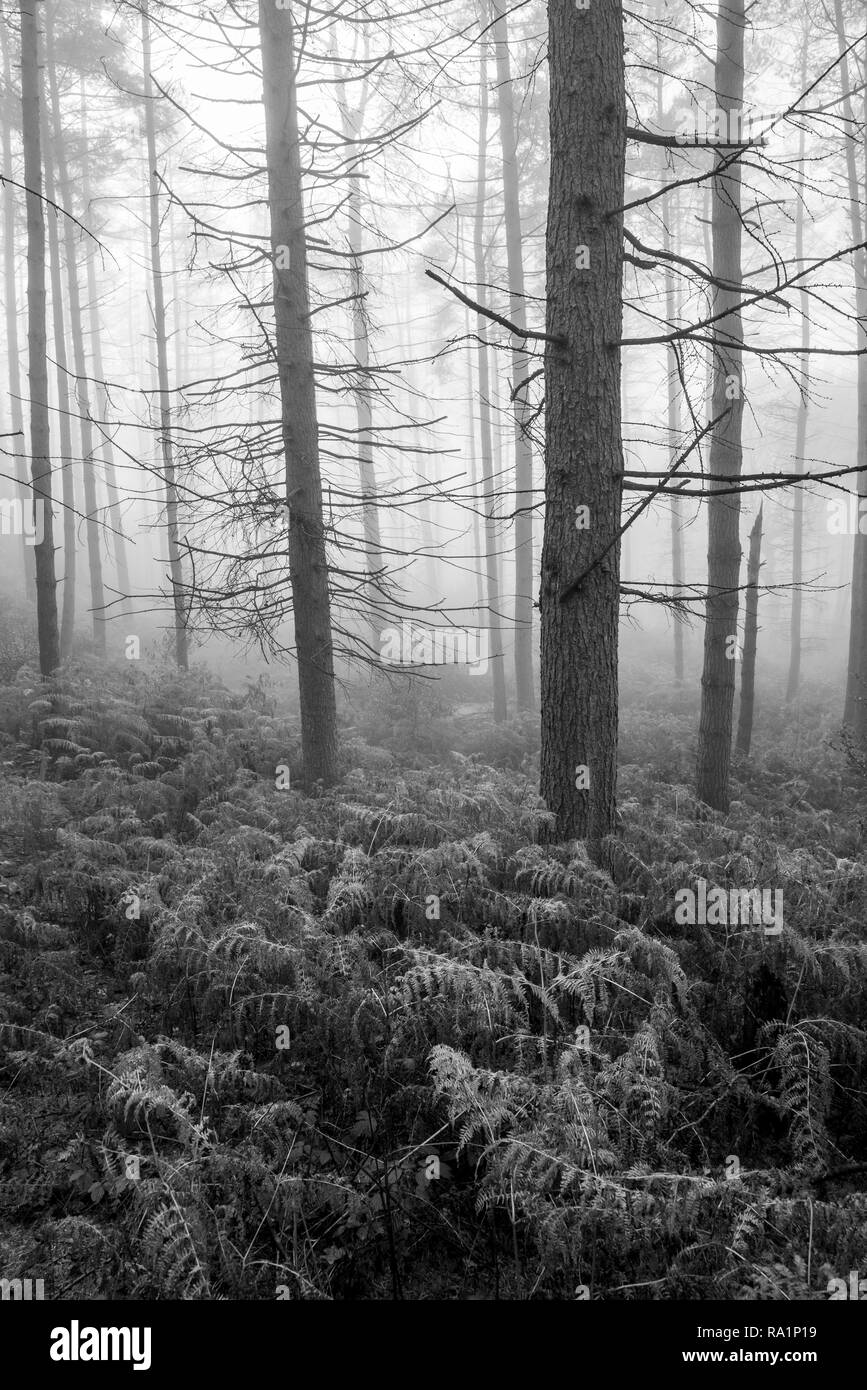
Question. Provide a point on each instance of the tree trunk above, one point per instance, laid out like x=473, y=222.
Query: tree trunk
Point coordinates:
x=308, y=563
x=625, y=407
x=17, y=446
x=93, y=529
x=40, y=442
x=751, y=628
x=518, y=310
x=495, y=641
x=584, y=453
x=725, y=457
x=166, y=443
x=674, y=443
x=64, y=403
x=474, y=473
x=118, y=538
x=803, y=409
x=352, y=118
x=669, y=213
x=855, y=713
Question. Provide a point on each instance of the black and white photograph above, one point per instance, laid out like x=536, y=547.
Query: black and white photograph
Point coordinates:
x=433, y=667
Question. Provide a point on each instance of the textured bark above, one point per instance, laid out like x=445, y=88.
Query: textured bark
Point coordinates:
x=625, y=408
x=176, y=573
x=855, y=713
x=725, y=455
x=82, y=391
x=10, y=289
x=40, y=442
x=308, y=564
x=520, y=369
x=584, y=455
x=751, y=629
x=492, y=576
x=64, y=402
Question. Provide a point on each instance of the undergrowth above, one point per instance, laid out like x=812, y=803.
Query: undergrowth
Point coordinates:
x=389, y=1040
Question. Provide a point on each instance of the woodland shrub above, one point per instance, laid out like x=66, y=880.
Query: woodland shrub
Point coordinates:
x=388, y=1038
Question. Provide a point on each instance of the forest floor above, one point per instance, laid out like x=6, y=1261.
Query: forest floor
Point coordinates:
x=390, y=1040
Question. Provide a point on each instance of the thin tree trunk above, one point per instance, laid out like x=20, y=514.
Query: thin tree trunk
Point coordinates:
x=473, y=465
x=93, y=529
x=724, y=549
x=855, y=713
x=352, y=118
x=18, y=446
x=40, y=441
x=584, y=452
x=308, y=562
x=495, y=641
x=64, y=402
x=674, y=444
x=118, y=538
x=524, y=693
x=669, y=213
x=803, y=410
x=751, y=628
x=166, y=443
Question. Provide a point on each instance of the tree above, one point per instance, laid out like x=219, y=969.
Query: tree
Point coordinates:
x=580, y=591
x=724, y=549
x=855, y=712
x=669, y=239
x=492, y=575
x=40, y=441
x=12, y=347
x=352, y=117
x=117, y=534
x=794, y=678
x=293, y=345
x=159, y=312
x=82, y=389
x=67, y=462
x=751, y=629
x=522, y=411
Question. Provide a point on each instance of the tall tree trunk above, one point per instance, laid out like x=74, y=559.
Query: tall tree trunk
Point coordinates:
x=584, y=452
x=855, y=713
x=669, y=213
x=751, y=629
x=93, y=528
x=674, y=444
x=518, y=310
x=17, y=447
x=118, y=537
x=803, y=409
x=724, y=549
x=495, y=641
x=352, y=118
x=474, y=473
x=308, y=562
x=166, y=442
x=40, y=442
x=64, y=402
